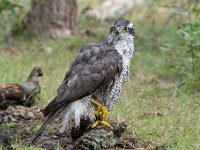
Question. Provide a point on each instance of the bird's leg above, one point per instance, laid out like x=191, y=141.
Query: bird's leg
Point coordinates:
x=101, y=113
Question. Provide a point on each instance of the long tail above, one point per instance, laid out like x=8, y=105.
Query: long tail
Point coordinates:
x=43, y=127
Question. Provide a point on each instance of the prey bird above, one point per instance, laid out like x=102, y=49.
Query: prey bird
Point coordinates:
x=95, y=77
x=21, y=94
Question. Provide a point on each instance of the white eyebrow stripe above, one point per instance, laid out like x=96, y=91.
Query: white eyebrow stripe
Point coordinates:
x=130, y=25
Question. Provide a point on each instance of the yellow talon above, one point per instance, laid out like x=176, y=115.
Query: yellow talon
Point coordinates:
x=99, y=122
x=105, y=123
x=101, y=114
x=94, y=125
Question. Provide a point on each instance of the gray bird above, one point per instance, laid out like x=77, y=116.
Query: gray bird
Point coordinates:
x=21, y=94
x=96, y=76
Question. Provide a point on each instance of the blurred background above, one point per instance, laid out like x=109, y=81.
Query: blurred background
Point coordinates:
x=161, y=101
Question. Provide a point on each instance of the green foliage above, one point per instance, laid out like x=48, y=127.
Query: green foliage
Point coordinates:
x=6, y=5
x=185, y=51
x=11, y=13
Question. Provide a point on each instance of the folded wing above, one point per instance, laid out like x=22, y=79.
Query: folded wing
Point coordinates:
x=94, y=67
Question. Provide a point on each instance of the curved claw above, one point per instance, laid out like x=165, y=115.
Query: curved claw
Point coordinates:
x=100, y=122
x=101, y=114
x=94, y=125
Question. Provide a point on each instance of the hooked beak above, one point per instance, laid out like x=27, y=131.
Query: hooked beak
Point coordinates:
x=118, y=32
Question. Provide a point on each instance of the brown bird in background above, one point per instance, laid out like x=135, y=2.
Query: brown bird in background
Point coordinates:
x=21, y=94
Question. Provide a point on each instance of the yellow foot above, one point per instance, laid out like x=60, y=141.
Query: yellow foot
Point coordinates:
x=101, y=122
x=101, y=114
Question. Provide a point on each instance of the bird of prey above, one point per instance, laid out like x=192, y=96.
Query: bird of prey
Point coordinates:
x=96, y=76
x=21, y=94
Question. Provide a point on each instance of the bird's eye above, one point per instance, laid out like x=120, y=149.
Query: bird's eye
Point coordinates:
x=112, y=28
x=126, y=28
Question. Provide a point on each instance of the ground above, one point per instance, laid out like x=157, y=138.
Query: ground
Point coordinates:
x=158, y=113
x=18, y=125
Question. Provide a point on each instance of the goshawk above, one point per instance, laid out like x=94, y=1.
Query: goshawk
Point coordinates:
x=96, y=76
